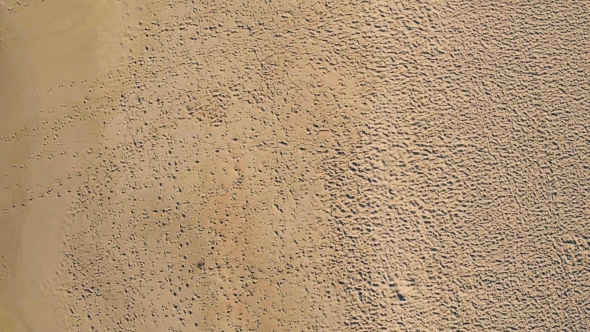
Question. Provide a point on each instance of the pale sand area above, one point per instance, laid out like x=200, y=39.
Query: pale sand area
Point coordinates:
x=282, y=166
x=52, y=54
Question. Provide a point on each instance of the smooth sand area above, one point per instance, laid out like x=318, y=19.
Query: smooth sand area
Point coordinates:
x=51, y=53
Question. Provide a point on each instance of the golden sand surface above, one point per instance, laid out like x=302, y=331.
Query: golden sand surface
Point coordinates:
x=294, y=165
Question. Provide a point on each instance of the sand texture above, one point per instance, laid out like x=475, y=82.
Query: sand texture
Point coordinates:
x=294, y=165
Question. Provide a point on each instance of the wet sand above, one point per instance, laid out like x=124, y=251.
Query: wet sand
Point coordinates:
x=272, y=166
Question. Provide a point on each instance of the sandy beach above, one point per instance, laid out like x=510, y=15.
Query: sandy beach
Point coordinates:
x=294, y=166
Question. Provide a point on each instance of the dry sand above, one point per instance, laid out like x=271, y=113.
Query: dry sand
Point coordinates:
x=294, y=166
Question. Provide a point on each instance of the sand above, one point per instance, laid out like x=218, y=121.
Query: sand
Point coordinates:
x=294, y=166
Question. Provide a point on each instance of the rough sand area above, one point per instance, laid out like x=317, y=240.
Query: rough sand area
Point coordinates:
x=295, y=166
